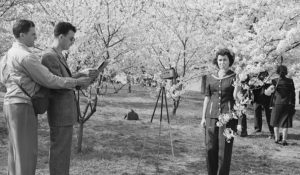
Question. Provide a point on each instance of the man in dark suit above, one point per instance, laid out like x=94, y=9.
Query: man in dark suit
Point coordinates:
x=262, y=102
x=62, y=111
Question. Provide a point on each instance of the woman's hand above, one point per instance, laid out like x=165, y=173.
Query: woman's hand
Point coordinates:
x=203, y=122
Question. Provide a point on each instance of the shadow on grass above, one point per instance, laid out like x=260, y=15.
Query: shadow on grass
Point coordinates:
x=248, y=162
x=256, y=136
x=294, y=136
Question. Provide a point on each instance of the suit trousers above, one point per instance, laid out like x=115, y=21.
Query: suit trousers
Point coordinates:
x=60, y=149
x=219, y=151
x=243, y=122
x=258, y=116
x=22, y=144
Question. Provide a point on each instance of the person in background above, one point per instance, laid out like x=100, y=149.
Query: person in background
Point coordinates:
x=262, y=102
x=220, y=95
x=242, y=121
x=61, y=118
x=283, y=104
x=23, y=69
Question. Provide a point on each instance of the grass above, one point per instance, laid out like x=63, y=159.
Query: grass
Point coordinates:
x=112, y=145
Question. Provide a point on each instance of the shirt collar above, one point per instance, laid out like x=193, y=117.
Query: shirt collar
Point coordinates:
x=229, y=73
x=18, y=44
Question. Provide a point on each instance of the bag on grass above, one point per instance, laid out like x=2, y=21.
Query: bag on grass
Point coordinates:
x=132, y=115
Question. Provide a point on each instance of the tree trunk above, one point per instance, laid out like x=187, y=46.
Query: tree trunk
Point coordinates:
x=79, y=137
x=129, y=87
x=203, y=83
x=175, y=106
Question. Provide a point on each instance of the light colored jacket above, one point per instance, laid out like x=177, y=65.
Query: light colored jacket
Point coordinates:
x=24, y=68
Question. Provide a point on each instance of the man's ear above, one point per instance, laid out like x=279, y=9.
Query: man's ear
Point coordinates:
x=60, y=36
x=22, y=35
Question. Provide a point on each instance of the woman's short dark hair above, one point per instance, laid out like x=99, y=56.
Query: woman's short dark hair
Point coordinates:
x=22, y=26
x=282, y=70
x=63, y=28
x=224, y=52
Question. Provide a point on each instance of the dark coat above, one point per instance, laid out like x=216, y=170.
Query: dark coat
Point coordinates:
x=62, y=110
x=259, y=97
x=285, y=91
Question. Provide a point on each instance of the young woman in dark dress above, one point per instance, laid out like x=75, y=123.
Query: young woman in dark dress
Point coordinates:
x=284, y=104
x=219, y=98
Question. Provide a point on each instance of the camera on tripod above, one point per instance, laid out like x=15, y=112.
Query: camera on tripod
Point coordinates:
x=168, y=74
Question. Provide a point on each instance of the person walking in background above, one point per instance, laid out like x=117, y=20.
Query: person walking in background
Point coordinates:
x=242, y=121
x=219, y=98
x=283, y=104
x=242, y=126
x=61, y=118
x=23, y=69
x=262, y=102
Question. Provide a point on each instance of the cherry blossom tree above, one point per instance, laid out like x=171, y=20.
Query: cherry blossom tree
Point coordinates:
x=105, y=32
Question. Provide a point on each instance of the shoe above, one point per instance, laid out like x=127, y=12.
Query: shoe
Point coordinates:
x=257, y=130
x=277, y=141
x=280, y=138
x=272, y=137
x=244, y=134
x=284, y=143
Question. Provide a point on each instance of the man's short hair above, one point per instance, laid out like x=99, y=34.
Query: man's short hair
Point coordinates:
x=63, y=28
x=22, y=26
x=282, y=70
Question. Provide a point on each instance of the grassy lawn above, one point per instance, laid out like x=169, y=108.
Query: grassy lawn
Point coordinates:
x=112, y=145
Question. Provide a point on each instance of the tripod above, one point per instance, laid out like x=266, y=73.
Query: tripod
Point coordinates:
x=163, y=96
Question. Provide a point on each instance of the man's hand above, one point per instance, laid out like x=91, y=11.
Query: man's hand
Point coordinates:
x=84, y=81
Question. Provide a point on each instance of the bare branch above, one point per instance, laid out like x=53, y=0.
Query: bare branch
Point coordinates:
x=7, y=8
x=122, y=39
x=100, y=33
x=158, y=58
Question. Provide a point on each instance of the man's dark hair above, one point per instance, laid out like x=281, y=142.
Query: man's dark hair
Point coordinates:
x=22, y=26
x=63, y=28
x=224, y=52
x=282, y=70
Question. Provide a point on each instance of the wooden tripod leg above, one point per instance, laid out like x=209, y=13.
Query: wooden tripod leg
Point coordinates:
x=156, y=104
x=165, y=95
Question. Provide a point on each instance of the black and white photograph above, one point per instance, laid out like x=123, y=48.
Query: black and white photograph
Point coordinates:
x=149, y=87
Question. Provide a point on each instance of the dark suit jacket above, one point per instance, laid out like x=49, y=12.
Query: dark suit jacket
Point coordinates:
x=285, y=91
x=260, y=97
x=62, y=110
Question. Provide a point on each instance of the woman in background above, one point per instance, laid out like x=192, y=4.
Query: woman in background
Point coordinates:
x=219, y=98
x=284, y=104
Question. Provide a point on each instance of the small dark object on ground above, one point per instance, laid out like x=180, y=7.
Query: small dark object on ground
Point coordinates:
x=132, y=115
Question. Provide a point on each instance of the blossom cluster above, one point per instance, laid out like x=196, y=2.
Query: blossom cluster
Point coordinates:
x=237, y=112
x=249, y=78
x=223, y=119
x=229, y=134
